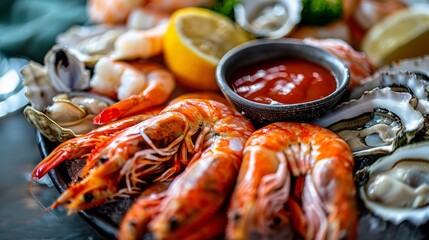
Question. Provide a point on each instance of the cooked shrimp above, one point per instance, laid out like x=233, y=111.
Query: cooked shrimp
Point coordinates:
x=338, y=29
x=207, y=133
x=111, y=11
x=81, y=146
x=359, y=65
x=135, y=221
x=323, y=203
x=369, y=12
x=144, y=18
x=138, y=85
x=202, y=189
x=136, y=43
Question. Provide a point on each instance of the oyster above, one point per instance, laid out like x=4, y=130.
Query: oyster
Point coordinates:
x=398, y=185
x=403, y=81
x=90, y=43
x=62, y=73
x=66, y=72
x=69, y=115
x=39, y=88
x=268, y=18
x=419, y=65
x=378, y=122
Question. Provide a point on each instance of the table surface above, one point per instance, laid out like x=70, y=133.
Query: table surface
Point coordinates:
x=21, y=207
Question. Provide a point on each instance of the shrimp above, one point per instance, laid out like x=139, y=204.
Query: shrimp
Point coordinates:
x=359, y=65
x=369, y=12
x=81, y=146
x=147, y=206
x=144, y=18
x=193, y=130
x=201, y=190
x=111, y=11
x=135, y=220
x=137, y=43
x=322, y=164
x=338, y=29
x=138, y=85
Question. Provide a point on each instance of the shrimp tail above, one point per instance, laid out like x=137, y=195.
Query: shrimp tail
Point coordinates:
x=127, y=107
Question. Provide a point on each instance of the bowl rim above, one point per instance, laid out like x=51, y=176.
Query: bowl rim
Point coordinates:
x=229, y=93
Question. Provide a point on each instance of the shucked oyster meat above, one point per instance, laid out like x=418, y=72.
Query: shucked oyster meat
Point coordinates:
x=68, y=116
x=397, y=187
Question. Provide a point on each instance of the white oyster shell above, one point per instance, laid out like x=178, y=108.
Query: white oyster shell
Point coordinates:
x=268, y=18
x=62, y=73
x=398, y=186
x=65, y=71
x=378, y=122
x=68, y=116
x=39, y=88
x=90, y=43
x=393, y=78
x=418, y=65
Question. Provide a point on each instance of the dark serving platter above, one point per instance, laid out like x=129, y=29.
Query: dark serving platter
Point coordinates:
x=106, y=218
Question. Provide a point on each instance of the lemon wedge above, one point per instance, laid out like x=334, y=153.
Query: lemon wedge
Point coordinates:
x=403, y=34
x=194, y=42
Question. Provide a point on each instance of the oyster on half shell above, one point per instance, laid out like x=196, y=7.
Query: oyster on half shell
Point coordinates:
x=398, y=185
x=58, y=107
x=268, y=18
x=70, y=115
x=377, y=123
x=61, y=73
x=90, y=43
x=418, y=65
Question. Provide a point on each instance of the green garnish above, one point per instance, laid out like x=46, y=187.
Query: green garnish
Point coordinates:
x=225, y=7
x=320, y=12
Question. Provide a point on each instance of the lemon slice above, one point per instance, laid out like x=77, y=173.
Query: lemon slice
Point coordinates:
x=401, y=35
x=194, y=42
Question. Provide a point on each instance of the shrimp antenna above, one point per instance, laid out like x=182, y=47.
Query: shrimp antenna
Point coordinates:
x=44, y=208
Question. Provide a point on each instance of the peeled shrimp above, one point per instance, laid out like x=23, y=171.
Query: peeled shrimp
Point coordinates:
x=136, y=43
x=144, y=18
x=111, y=11
x=139, y=86
x=369, y=12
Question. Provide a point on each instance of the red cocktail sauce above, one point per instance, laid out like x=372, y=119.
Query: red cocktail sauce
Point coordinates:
x=283, y=81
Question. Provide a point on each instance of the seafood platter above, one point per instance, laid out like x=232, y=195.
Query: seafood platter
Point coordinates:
x=141, y=141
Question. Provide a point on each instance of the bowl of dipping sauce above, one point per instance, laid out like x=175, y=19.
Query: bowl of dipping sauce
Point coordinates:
x=281, y=80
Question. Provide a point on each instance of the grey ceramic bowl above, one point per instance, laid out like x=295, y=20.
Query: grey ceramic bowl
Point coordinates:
x=261, y=50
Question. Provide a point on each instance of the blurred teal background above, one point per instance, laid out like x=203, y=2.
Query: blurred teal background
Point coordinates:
x=28, y=27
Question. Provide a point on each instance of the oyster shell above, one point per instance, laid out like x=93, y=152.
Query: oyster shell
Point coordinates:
x=396, y=80
x=268, y=18
x=66, y=72
x=69, y=115
x=378, y=122
x=39, y=88
x=90, y=43
x=398, y=185
x=419, y=65
x=62, y=73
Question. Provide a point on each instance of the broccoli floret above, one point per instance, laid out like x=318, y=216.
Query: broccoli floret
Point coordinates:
x=225, y=7
x=320, y=12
